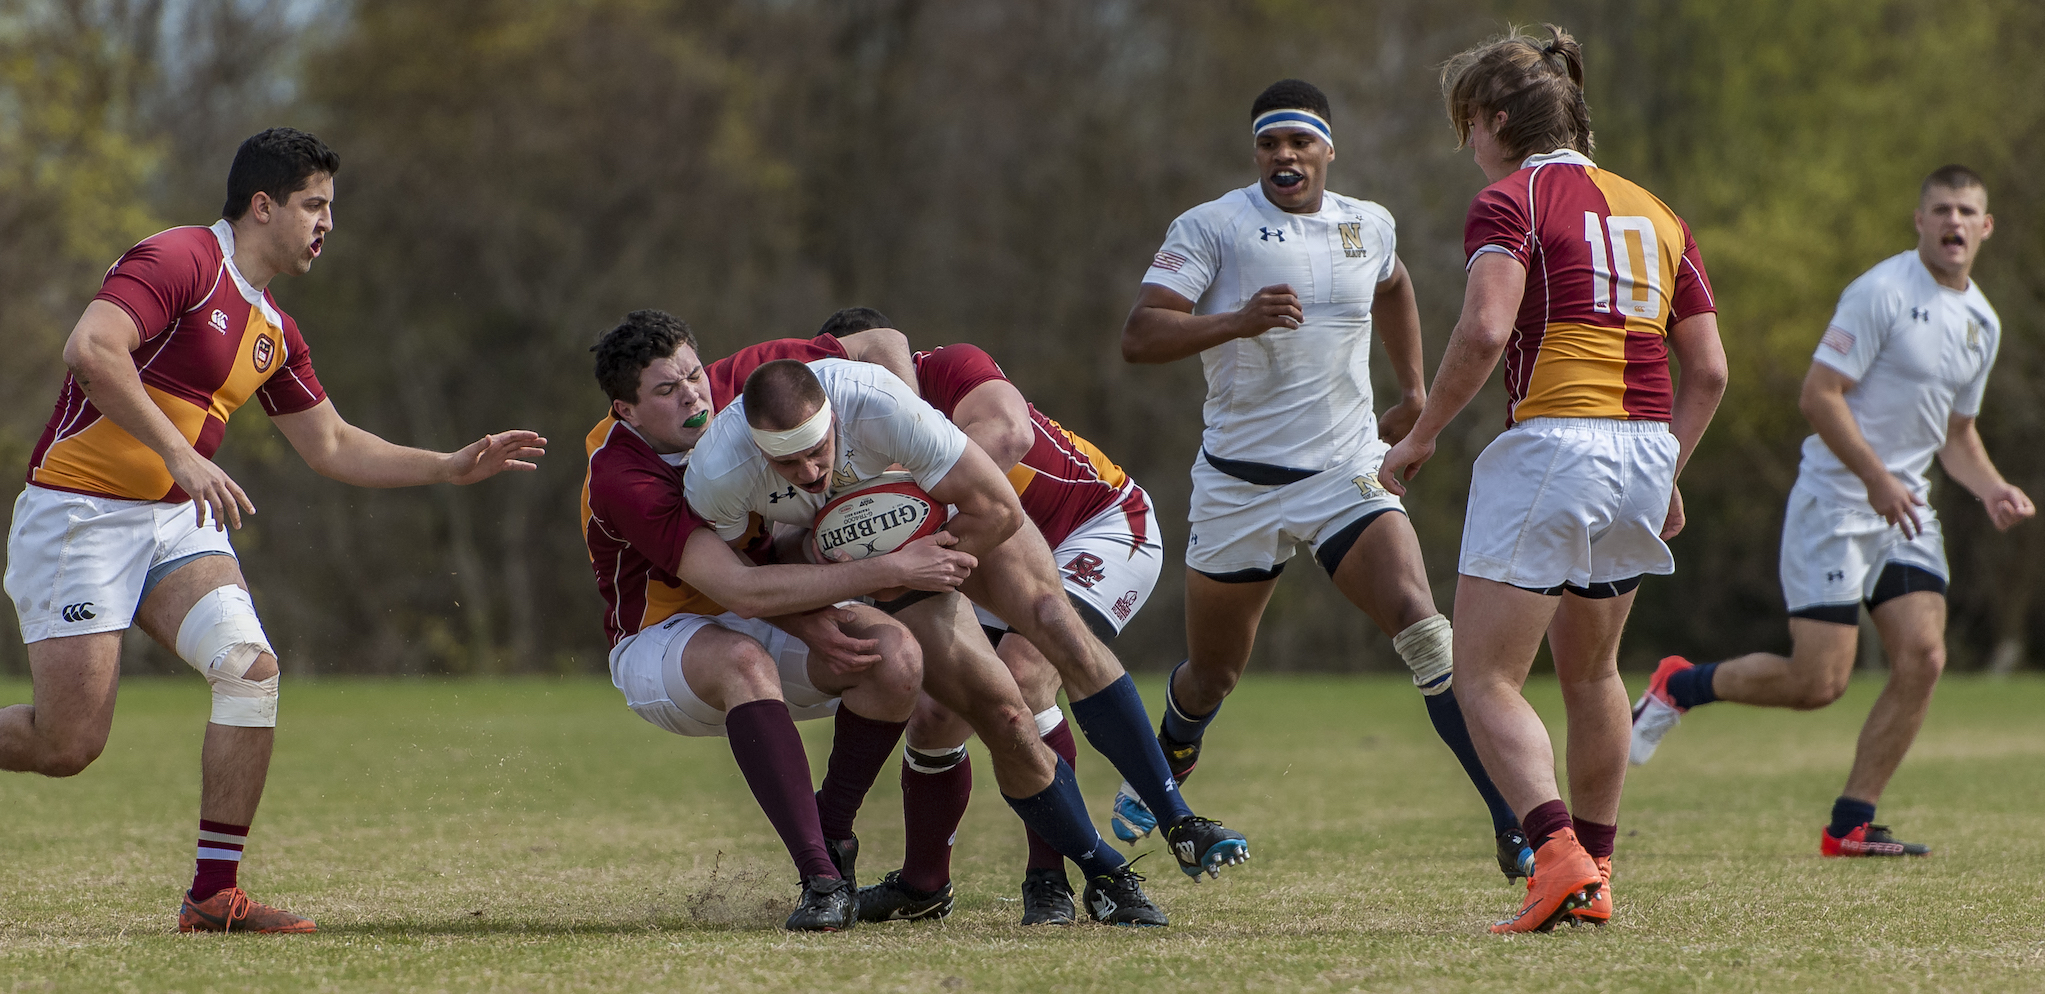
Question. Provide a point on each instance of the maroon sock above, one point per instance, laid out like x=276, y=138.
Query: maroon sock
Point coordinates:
x=769, y=753
x=220, y=846
x=860, y=746
x=1597, y=839
x=1545, y=821
x=1042, y=856
x=935, y=789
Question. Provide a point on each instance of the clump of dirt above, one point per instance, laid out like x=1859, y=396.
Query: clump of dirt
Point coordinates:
x=742, y=897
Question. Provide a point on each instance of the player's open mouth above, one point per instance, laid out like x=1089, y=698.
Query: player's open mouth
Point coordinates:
x=697, y=420
x=1286, y=179
x=1954, y=240
x=316, y=243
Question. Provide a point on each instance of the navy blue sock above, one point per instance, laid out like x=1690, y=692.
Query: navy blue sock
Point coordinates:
x=1117, y=727
x=1692, y=687
x=1447, y=716
x=1849, y=814
x=1058, y=815
x=1179, y=725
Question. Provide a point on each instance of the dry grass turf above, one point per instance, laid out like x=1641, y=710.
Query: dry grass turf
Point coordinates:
x=536, y=836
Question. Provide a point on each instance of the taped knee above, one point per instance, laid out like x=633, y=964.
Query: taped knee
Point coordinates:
x=933, y=762
x=1428, y=647
x=221, y=638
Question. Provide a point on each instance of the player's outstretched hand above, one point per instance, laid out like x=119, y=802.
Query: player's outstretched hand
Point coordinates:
x=1403, y=461
x=1897, y=505
x=1673, y=524
x=210, y=487
x=929, y=564
x=1273, y=307
x=824, y=632
x=2007, y=505
x=493, y=454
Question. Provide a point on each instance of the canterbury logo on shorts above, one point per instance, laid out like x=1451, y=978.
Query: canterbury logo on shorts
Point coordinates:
x=78, y=612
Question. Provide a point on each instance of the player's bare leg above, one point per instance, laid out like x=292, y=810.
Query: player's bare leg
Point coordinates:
x=75, y=679
x=1221, y=628
x=1494, y=650
x=1384, y=574
x=1018, y=581
x=234, y=762
x=1584, y=639
x=962, y=672
x=1913, y=629
x=1812, y=676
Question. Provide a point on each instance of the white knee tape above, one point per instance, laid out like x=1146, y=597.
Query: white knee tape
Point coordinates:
x=1428, y=647
x=1049, y=719
x=221, y=638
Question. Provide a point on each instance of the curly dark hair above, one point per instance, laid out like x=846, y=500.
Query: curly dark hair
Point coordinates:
x=279, y=162
x=1292, y=94
x=626, y=350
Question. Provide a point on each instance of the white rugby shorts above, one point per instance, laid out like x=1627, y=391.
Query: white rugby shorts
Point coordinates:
x=647, y=667
x=78, y=564
x=1833, y=552
x=1110, y=562
x=1236, y=525
x=1570, y=500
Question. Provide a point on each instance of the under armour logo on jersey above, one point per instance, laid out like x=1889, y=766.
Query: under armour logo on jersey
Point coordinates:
x=1834, y=576
x=1920, y=314
x=1270, y=233
x=78, y=612
x=218, y=321
x=776, y=498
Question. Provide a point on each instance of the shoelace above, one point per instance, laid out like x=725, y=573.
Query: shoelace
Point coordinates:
x=238, y=906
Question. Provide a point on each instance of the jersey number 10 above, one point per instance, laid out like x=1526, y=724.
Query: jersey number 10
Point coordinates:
x=1635, y=261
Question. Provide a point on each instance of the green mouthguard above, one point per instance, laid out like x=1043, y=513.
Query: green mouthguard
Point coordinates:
x=697, y=420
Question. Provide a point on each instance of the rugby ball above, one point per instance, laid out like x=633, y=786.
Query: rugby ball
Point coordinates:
x=873, y=519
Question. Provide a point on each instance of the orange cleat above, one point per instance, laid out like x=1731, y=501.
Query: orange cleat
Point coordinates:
x=232, y=910
x=1565, y=879
x=1599, y=911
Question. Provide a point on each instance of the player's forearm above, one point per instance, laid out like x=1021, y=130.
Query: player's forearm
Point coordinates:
x=362, y=459
x=1702, y=384
x=887, y=348
x=1833, y=421
x=1160, y=334
x=1472, y=353
x=106, y=373
x=776, y=590
x=1395, y=313
x=1965, y=460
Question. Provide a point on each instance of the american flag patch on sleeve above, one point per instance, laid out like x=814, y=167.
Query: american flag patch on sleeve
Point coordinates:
x=1838, y=340
x=1170, y=262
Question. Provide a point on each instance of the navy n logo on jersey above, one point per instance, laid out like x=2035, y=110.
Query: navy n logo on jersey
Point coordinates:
x=1352, y=239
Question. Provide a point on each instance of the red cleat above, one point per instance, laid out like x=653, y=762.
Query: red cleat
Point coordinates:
x=1868, y=840
x=1656, y=713
x=232, y=910
x=1565, y=879
x=1599, y=911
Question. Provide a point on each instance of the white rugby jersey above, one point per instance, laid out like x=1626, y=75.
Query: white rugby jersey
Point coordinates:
x=880, y=422
x=1917, y=352
x=1290, y=397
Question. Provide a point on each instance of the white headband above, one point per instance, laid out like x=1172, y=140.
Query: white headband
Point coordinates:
x=1305, y=120
x=801, y=438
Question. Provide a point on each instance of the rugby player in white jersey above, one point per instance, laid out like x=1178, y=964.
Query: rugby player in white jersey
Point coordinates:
x=799, y=434
x=1897, y=379
x=1276, y=287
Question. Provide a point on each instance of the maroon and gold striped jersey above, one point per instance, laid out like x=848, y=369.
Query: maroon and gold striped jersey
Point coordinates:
x=1610, y=269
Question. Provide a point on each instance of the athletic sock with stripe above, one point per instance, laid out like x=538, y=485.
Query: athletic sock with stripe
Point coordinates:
x=1059, y=738
x=220, y=848
x=935, y=789
x=1116, y=725
x=1058, y=813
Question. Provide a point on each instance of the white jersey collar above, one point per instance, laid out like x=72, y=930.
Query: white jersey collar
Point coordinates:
x=223, y=232
x=1255, y=191
x=1566, y=156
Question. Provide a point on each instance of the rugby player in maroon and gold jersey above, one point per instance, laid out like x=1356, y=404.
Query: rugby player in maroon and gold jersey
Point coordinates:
x=111, y=529
x=1587, y=284
x=1103, y=536
x=701, y=639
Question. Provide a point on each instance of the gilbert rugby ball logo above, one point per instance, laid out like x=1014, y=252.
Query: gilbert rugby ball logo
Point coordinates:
x=865, y=520
x=264, y=353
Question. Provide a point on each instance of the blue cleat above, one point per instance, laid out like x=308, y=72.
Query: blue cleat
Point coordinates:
x=1515, y=855
x=1128, y=817
x=1203, y=845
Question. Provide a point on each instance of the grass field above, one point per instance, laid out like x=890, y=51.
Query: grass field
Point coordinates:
x=536, y=836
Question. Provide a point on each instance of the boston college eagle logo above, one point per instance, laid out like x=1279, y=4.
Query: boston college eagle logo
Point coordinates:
x=264, y=353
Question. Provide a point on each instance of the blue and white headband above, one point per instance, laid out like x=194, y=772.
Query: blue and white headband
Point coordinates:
x=1307, y=120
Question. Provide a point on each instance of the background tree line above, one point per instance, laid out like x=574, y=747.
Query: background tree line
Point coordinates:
x=518, y=173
